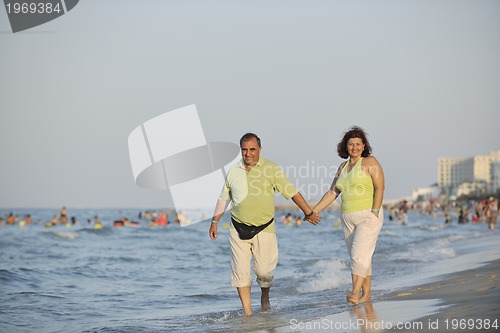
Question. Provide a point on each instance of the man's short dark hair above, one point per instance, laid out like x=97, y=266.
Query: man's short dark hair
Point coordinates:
x=249, y=136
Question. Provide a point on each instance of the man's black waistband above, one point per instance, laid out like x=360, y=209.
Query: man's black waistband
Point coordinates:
x=246, y=231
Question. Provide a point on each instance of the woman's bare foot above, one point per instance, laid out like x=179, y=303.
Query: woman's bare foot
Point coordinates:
x=365, y=298
x=353, y=299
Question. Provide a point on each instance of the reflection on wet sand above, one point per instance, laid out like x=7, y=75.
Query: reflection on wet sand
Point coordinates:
x=367, y=318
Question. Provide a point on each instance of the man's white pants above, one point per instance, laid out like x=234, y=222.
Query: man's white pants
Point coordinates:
x=264, y=248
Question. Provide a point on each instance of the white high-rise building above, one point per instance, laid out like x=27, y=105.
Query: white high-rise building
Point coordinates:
x=482, y=168
x=495, y=170
x=453, y=171
x=495, y=177
x=478, y=172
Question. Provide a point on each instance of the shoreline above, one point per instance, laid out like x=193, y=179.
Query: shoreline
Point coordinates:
x=467, y=300
x=462, y=301
x=461, y=294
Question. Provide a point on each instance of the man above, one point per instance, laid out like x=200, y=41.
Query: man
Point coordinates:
x=250, y=185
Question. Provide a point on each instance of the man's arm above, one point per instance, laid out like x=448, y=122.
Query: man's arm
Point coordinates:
x=311, y=216
x=220, y=208
x=287, y=189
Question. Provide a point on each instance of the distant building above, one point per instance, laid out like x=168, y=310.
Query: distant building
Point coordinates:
x=482, y=165
x=477, y=188
x=495, y=177
x=424, y=193
x=469, y=175
x=453, y=171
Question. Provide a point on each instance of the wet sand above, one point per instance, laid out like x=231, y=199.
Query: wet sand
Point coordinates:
x=467, y=300
x=464, y=301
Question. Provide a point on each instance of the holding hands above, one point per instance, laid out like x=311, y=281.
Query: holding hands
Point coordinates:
x=313, y=217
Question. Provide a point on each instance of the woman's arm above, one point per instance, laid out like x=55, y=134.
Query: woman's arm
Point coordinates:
x=374, y=169
x=331, y=194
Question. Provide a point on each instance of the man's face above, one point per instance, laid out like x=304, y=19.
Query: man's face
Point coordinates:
x=250, y=151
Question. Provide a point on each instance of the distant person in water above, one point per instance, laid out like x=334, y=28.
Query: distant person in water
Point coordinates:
x=96, y=220
x=492, y=213
x=162, y=220
x=461, y=217
x=360, y=181
x=403, y=213
x=447, y=218
x=64, y=215
x=11, y=219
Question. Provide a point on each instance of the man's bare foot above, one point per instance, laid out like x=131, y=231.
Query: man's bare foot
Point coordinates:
x=244, y=293
x=264, y=305
x=264, y=300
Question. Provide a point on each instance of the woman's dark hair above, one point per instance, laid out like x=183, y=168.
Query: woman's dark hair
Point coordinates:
x=354, y=132
x=249, y=136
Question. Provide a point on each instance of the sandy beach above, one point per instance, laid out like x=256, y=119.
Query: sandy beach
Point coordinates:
x=468, y=300
x=465, y=300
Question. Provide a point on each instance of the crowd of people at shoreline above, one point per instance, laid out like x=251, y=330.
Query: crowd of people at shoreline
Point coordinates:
x=151, y=218
x=61, y=218
x=485, y=210
x=465, y=211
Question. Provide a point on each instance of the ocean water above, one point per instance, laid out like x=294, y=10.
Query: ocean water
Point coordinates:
x=173, y=279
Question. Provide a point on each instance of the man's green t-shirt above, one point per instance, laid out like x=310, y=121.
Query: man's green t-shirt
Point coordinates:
x=252, y=192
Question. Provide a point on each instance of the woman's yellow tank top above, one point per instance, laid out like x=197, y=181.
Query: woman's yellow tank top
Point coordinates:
x=356, y=188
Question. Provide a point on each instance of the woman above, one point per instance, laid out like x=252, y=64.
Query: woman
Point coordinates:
x=361, y=182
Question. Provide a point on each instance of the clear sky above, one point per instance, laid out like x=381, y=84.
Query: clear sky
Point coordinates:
x=422, y=77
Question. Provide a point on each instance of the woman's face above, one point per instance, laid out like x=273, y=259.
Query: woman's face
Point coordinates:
x=355, y=147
